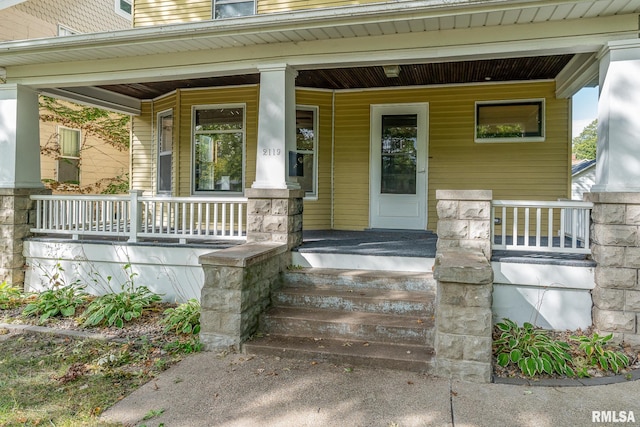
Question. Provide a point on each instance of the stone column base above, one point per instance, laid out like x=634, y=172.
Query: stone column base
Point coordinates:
x=274, y=215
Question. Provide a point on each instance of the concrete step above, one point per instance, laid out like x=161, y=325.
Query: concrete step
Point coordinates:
x=397, y=280
x=414, y=358
x=356, y=325
x=387, y=301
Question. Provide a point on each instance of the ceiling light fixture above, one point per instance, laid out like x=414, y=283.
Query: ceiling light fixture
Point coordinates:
x=391, y=70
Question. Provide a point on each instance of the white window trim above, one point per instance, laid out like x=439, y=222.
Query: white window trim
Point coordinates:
x=213, y=7
x=195, y=108
x=119, y=11
x=510, y=101
x=67, y=28
x=159, y=118
x=60, y=156
x=316, y=110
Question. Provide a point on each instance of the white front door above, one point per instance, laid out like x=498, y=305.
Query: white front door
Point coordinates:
x=398, y=171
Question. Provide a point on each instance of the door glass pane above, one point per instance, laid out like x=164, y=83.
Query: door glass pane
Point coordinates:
x=399, y=154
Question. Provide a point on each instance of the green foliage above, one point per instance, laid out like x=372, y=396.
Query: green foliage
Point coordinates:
x=500, y=131
x=597, y=355
x=531, y=350
x=60, y=299
x=184, y=319
x=180, y=346
x=117, y=185
x=584, y=145
x=10, y=296
x=110, y=127
x=116, y=308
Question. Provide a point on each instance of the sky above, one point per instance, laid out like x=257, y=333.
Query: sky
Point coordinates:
x=585, y=109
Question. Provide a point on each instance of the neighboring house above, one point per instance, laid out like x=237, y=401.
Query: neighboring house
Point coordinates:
x=363, y=112
x=583, y=177
x=73, y=158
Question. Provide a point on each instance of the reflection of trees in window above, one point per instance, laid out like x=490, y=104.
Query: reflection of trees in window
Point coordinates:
x=218, y=150
x=509, y=120
x=302, y=161
x=399, y=154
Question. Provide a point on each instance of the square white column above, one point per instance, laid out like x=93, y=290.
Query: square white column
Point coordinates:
x=19, y=137
x=276, y=127
x=618, y=149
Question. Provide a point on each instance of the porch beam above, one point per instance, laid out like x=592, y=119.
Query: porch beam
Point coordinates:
x=577, y=36
x=581, y=71
x=618, y=150
x=97, y=97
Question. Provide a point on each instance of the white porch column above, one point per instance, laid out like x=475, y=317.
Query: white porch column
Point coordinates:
x=19, y=137
x=618, y=149
x=276, y=127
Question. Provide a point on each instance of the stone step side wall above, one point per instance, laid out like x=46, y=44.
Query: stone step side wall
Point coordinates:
x=615, y=233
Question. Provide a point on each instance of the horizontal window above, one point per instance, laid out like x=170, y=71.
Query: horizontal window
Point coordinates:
x=510, y=121
x=233, y=8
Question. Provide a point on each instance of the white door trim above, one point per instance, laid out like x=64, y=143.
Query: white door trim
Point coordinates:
x=377, y=201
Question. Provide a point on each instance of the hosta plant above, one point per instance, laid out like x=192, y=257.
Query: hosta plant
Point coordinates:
x=183, y=319
x=61, y=301
x=114, y=309
x=531, y=350
x=598, y=356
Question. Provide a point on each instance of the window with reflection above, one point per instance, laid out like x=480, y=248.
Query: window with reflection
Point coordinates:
x=218, y=149
x=399, y=154
x=510, y=121
x=303, y=161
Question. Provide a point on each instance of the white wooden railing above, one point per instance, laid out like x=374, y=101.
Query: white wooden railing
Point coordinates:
x=561, y=226
x=134, y=216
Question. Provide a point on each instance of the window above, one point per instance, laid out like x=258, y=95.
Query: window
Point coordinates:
x=303, y=161
x=124, y=8
x=165, y=151
x=233, y=8
x=66, y=31
x=69, y=159
x=510, y=121
x=218, y=149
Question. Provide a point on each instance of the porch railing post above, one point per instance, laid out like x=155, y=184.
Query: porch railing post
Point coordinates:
x=135, y=213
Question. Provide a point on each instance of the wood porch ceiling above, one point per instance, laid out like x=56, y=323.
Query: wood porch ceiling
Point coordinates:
x=495, y=70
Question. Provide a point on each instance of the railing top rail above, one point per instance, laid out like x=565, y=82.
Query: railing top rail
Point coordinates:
x=86, y=197
x=542, y=204
x=190, y=199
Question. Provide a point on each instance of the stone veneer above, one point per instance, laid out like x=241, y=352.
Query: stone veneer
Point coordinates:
x=464, y=219
x=17, y=217
x=238, y=282
x=615, y=236
x=274, y=215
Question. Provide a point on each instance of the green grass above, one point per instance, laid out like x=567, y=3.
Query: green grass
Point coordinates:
x=50, y=380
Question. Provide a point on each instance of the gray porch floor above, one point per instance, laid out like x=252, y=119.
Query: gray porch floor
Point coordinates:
x=420, y=244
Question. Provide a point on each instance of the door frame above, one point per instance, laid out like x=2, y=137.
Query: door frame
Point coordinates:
x=422, y=111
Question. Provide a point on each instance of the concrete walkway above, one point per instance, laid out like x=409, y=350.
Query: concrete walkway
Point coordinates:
x=244, y=390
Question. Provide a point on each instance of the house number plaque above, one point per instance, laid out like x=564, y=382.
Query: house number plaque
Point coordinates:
x=271, y=151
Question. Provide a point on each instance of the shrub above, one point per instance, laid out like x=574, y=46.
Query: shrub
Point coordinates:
x=531, y=350
x=116, y=308
x=184, y=319
x=10, y=296
x=597, y=355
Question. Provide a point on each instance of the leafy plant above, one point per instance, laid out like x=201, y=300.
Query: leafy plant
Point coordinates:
x=597, y=355
x=116, y=308
x=60, y=299
x=531, y=350
x=192, y=345
x=183, y=319
x=10, y=296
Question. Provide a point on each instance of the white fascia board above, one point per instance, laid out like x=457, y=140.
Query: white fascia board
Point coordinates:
x=581, y=71
x=8, y=3
x=97, y=97
x=257, y=24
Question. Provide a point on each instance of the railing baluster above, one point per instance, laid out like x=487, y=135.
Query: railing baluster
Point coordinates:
x=550, y=228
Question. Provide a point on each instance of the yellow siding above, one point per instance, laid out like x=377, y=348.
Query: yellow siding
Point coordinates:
x=271, y=6
x=161, y=12
x=247, y=95
x=142, y=149
x=317, y=213
x=536, y=170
